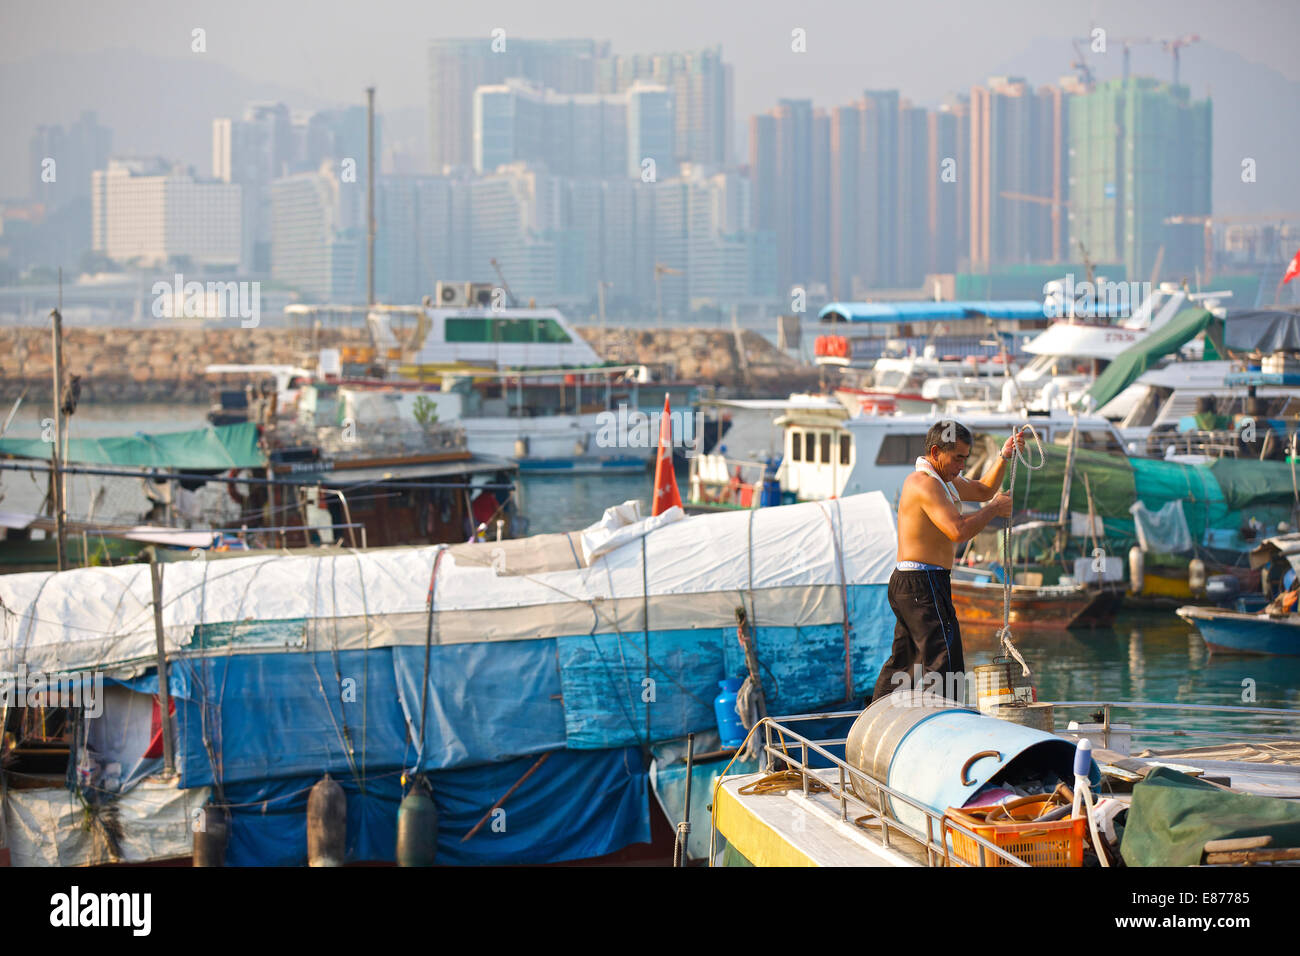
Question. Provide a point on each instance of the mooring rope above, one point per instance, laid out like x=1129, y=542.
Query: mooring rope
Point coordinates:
x=1018, y=455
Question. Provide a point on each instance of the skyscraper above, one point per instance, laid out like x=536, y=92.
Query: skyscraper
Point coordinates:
x=252, y=152
x=457, y=67
x=1017, y=135
x=1140, y=153
x=702, y=87
x=313, y=250
x=60, y=161
x=651, y=131
x=789, y=161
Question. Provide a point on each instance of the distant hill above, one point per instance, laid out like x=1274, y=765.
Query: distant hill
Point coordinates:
x=154, y=105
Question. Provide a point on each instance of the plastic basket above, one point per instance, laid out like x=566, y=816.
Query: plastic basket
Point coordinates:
x=1058, y=843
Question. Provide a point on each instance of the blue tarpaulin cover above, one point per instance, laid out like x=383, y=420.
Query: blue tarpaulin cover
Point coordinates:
x=575, y=806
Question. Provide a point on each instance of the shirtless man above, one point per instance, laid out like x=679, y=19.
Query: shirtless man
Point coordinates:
x=930, y=526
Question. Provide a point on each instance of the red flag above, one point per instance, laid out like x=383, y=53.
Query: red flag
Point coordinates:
x=155, y=726
x=1292, y=270
x=665, y=478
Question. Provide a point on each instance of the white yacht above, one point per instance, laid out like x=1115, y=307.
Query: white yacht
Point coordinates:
x=826, y=453
x=520, y=381
x=1068, y=355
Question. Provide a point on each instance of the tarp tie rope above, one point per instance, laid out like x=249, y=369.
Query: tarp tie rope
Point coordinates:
x=1017, y=455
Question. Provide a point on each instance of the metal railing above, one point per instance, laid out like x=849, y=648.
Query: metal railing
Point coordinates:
x=849, y=782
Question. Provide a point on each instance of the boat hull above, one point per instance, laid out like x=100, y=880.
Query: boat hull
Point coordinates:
x=1054, y=608
x=1235, y=632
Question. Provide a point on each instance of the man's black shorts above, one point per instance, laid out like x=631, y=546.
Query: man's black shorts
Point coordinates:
x=926, y=636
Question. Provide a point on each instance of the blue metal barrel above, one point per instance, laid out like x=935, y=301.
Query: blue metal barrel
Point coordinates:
x=939, y=753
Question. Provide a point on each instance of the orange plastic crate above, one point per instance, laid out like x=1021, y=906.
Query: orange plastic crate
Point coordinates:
x=1058, y=843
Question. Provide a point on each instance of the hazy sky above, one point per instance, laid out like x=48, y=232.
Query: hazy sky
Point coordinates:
x=926, y=48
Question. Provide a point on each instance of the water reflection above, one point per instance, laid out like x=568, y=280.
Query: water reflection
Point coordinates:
x=1150, y=656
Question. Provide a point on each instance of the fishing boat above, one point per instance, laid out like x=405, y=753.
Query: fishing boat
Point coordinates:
x=1237, y=632
x=276, y=485
x=550, y=681
x=520, y=380
x=908, y=783
x=978, y=599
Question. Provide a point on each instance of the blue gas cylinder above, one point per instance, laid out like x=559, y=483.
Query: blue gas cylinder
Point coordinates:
x=730, y=729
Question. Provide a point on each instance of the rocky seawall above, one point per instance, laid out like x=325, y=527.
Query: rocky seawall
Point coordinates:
x=166, y=364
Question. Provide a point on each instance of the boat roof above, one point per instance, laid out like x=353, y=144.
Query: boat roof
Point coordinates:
x=476, y=464
x=931, y=311
x=1082, y=340
x=793, y=403
x=216, y=447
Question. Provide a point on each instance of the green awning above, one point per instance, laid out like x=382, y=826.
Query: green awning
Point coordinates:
x=1132, y=362
x=213, y=448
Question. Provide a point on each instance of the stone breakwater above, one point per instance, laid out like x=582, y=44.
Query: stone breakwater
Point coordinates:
x=147, y=365
x=166, y=364
x=710, y=356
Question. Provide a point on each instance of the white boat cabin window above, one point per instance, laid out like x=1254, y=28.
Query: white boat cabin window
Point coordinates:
x=846, y=449
x=510, y=331
x=796, y=446
x=825, y=457
x=809, y=447
x=900, y=449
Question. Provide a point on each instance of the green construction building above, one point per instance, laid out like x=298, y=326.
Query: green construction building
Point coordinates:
x=1140, y=155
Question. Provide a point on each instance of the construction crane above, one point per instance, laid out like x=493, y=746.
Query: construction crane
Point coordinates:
x=1209, y=222
x=1127, y=43
x=1056, y=204
x=662, y=270
x=1173, y=46
x=510, y=296
x=1080, y=64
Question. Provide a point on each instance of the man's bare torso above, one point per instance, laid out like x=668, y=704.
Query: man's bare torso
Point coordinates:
x=918, y=537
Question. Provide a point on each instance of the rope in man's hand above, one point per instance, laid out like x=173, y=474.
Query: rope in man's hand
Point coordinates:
x=1019, y=454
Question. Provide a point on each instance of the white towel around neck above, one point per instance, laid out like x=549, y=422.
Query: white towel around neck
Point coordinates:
x=923, y=465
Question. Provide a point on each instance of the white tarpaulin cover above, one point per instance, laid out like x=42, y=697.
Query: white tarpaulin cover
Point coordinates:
x=620, y=525
x=1165, y=530
x=44, y=826
x=793, y=561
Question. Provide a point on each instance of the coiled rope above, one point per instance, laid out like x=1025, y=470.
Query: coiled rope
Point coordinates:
x=1018, y=456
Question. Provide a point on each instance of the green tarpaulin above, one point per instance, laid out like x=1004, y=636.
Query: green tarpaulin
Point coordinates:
x=1220, y=495
x=203, y=449
x=1173, y=816
x=1248, y=483
x=1160, y=482
x=1133, y=361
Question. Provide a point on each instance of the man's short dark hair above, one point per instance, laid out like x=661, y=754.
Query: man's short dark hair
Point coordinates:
x=947, y=434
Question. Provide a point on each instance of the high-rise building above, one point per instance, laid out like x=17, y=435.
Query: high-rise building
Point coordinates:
x=570, y=134
x=789, y=160
x=148, y=211
x=253, y=152
x=422, y=236
x=1140, y=154
x=865, y=187
x=702, y=87
x=1017, y=146
x=60, y=161
x=947, y=145
x=651, y=131
x=313, y=249
x=457, y=67
x=914, y=238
